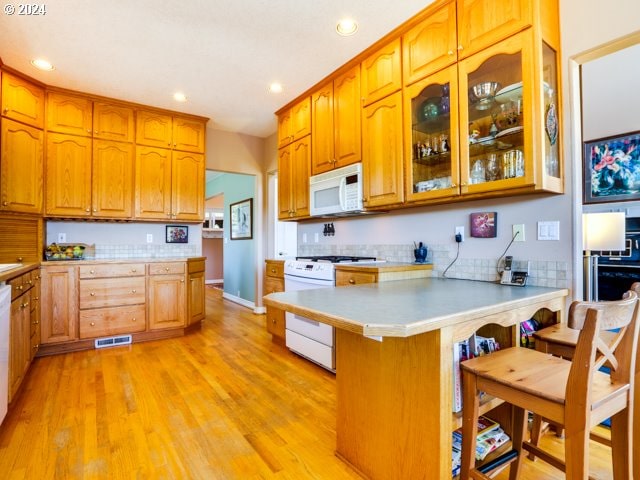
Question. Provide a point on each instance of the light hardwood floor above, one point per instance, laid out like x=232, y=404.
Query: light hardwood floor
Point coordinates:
x=222, y=403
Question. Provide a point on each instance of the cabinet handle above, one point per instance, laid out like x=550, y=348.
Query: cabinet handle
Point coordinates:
x=175, y=145
x=29, y=282
x=4, y=204
x=93, y=294
x=133, y=270
x=96, y=132
x=19, y=287
x=463, y=184
x=169, y=144
x=35, y=347
x=450, y=52
x=459, y=47
x=453, y=185
x=92, y=272
x=274, y=321
x=36, y=299
x=95, y=210
x=133, y=291
x=89, y=131
x=352, y=281
x=35, y=323
x=87, y=210
x=5, y=111
x=19, y=259
x=182, y=281
x=273, y=270
x=133, y=319
x=92, y=324
x=24, y=305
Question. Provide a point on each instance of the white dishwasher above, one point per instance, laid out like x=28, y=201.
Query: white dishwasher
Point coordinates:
x=5, y=307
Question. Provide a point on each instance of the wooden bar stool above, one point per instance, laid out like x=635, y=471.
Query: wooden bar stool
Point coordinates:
x=573, y=394
x=561, y=340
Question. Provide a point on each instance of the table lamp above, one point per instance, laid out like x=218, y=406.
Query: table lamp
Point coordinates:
x=600, y=231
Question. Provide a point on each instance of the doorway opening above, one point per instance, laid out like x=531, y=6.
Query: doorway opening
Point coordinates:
x=212, y=241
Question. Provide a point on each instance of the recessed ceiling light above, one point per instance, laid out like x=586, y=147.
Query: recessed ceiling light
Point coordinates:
x=42, y=64
x=275, y=87
x=346, y=27
x=179, y=97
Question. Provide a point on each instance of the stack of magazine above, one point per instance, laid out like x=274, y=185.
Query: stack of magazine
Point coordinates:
x=490, y=437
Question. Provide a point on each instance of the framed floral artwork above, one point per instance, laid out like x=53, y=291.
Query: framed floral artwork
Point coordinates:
x=612, y=169
x=483, y=224
x=242, y=220
x=177, y=234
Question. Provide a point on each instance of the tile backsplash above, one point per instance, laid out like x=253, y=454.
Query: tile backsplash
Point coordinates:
x=146, y=251
x=542, y=273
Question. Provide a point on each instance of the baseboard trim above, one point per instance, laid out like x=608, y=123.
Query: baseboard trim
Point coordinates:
x=238, y=300
x=260, y=310
x=214, y=281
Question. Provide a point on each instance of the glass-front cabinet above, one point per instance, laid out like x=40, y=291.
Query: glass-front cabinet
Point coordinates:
x=486, y=126
x=431, y=108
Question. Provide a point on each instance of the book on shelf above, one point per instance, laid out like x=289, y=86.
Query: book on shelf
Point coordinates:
x=527, y=329
x=490, y=437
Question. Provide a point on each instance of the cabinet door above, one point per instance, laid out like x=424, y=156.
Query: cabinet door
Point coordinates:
x=431, y=45
x=322, y=130
x=59, y=322
x=22, y=101
x=166, y=297
x=113, y=122
x=35, y=315
x=482, y=23
x=381, y=73
x=285, y=137
x=301, y=119
x=69, y=114
x=382, y=152
x=431, y=137
x=154, y=129
x=188, y=135
x=19, y=342
x=68, y=175
x=499, y=126
x=300, y=164
x=346, y=117
x=21, y=168
x=112, y=179
x=285, y=185
x=276, y=324
x=196, y=297
x=153, y=183
x=187, y=186
x=20, y=239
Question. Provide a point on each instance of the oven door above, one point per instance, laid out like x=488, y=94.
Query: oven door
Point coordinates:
x=614, y=280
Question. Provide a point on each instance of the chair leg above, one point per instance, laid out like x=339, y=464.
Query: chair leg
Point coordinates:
x=576, y=450
x=517, y=437
x=536, y=432
x=470, y=408
x=621, y=445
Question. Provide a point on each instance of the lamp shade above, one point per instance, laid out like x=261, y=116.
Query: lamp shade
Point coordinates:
x=603, y=231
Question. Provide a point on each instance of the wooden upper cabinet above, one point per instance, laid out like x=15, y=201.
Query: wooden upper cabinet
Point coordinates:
x=20, y=239
x=381, y=73
x=154, y=129
x=68, y=175
x=346, y=118
x=322, y=154
x=431, y=45
x=335, y=123
x=112, y=179
x=113, y=122
x=153, y=183
x=187, y=186
x=21, y=163
x=294, y=123
x=165, y=131
x=294, y=165
x=188, y=135
x=22, y=101
x=382, y=156
x=69, y=114
x=482, y=23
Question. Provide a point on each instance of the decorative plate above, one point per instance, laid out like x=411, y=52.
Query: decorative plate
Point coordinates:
x=509, y=131
x=551, y=123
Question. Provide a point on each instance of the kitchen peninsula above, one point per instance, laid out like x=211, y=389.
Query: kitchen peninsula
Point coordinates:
x=394, y=351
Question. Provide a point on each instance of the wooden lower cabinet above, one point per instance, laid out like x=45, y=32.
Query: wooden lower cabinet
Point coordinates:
x=105, y=322
x=195, y=292
x=274, y=282
x=166, y=295
x=59, y=321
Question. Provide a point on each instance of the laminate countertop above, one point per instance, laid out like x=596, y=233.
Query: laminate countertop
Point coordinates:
x=403, y=308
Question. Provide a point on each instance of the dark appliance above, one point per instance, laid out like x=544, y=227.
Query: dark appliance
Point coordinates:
x=619, y=269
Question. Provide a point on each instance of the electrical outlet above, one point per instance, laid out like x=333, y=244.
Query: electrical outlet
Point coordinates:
x=62, y=237
x=518, y=232
x=460, y=231
x=149, y=238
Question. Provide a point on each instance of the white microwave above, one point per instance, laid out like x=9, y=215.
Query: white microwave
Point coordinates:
x=337, y=192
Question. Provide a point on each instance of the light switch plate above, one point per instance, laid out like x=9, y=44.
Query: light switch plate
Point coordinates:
x=549, y=230
x=519, y=229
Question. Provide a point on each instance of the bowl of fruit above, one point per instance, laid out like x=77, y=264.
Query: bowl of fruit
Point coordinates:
x=64, y=252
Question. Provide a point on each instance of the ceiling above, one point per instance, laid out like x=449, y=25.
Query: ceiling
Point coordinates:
x=222, y=54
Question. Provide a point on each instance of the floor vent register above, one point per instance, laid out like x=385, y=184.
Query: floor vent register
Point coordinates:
x=113, y=341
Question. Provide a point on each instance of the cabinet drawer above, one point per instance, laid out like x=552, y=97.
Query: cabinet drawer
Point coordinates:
x=272, y=285
x=111, y=292
x=20, y=285
x=112, y=321
x=355, y=278
x=168, y=268
x=197, y=266
x=112, y=270
x=275, y=269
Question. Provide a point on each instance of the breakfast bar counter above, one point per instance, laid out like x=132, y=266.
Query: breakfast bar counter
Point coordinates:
x=394, y=359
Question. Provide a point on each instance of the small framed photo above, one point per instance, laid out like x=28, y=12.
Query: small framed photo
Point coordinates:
x=612, y=169
x=484, y=224
x=177, y=234
x=242, y=220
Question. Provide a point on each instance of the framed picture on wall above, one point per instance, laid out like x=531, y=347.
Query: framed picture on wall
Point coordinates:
x=242, y=220
x=177, y=234
x=483, y=224
x=612, y=169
